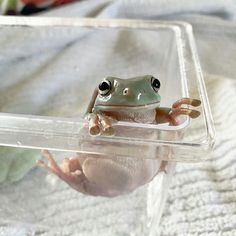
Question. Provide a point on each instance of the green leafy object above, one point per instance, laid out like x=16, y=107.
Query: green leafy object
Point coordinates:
x=15, y=163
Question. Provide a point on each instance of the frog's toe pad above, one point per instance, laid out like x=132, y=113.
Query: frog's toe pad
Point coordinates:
x=95, y=130
x=196, y=102
x=109, y=131
x=194, y=114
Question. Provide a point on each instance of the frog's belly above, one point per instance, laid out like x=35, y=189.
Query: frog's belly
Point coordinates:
x=139, y=116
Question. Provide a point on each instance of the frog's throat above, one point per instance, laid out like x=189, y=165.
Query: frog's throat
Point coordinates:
x=126, y=107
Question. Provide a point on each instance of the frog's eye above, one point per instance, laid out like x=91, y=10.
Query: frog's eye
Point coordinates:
x=105, y=87
x=155, y=84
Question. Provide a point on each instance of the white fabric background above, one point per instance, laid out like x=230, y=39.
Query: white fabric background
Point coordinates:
x=202, y=197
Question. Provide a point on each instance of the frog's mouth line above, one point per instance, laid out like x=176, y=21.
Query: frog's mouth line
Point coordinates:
x=127, y=107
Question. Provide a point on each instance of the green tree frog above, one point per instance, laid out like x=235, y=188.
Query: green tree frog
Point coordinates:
x=133, y=100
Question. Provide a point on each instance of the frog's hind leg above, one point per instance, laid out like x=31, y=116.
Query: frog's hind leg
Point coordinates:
x=71, y=165
x=52, y=166
x=74, y=179
x=106, y=177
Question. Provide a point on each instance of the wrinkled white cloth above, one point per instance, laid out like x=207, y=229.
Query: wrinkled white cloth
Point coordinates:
x=202, y=197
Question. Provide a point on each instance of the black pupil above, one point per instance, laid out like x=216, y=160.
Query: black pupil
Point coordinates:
x=156, y=83
x=104, y=86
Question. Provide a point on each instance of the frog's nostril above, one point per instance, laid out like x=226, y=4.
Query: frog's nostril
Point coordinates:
x=126, y=91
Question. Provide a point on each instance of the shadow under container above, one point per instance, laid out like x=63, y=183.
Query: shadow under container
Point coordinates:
x=49, y=68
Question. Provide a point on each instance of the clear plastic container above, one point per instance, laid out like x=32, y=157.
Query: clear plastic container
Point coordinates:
x=55, y=65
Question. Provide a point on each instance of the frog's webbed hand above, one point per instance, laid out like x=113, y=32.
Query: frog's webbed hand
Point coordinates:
x=100, y=124
x=170, y=114
x=94, y=128
x=178, y=110
x=106, y=123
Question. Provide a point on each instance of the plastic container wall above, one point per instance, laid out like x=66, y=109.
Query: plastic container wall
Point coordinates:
x=43, y=107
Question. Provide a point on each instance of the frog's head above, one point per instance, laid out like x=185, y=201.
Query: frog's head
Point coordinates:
x=139, y=92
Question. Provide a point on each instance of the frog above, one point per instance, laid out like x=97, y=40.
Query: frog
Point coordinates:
x=115, y=99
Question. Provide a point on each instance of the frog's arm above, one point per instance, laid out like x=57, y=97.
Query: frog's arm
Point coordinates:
x=169, y=115
x=93, y=118
x=92, y=102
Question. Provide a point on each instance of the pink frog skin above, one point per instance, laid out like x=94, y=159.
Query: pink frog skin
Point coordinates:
x=132, y=100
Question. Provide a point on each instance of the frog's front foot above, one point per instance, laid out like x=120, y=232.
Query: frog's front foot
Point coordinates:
x=177, y=109
x=71, y=172
x=100, y=124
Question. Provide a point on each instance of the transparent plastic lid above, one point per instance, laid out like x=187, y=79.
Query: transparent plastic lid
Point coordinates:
x=49, y=68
